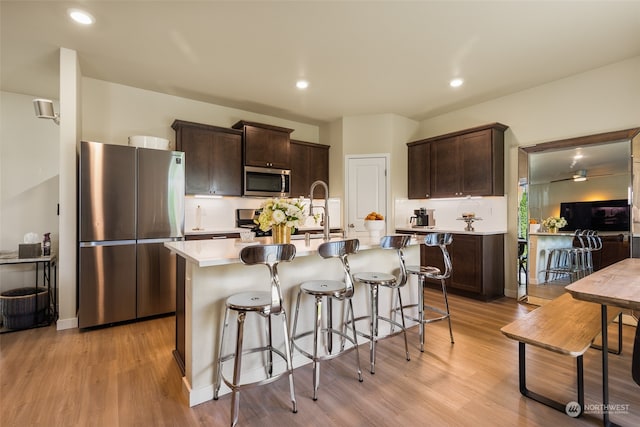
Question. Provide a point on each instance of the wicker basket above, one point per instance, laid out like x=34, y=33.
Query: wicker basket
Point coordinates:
x=18, y=307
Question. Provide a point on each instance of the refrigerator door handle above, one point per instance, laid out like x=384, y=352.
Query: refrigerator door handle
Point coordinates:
x=162, y=240
x=107, y=243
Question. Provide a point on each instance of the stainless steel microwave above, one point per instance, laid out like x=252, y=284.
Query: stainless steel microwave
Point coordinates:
x=266, y=182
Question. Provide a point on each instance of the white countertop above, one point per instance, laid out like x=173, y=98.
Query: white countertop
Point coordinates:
x=206, y=253
x=229, y=230
x=450, y=230
x=559, y=234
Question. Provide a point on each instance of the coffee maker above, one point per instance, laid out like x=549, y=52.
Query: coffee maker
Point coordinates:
x=422, y=218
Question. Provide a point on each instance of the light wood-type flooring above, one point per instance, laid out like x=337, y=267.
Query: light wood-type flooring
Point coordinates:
x=126, y=376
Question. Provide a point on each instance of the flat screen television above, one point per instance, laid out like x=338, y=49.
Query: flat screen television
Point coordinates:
x=601, y=215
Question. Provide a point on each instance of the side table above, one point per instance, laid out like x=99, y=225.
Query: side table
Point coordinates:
x=47, y=263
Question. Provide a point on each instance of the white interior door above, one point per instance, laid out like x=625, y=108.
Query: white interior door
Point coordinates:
x=366, y=189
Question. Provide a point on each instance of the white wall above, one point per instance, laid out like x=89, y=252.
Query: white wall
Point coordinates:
x=113, y=112
x=332, y=135
x=382, y=134
x=70, y=131
x=597, y=101
x=28, y=181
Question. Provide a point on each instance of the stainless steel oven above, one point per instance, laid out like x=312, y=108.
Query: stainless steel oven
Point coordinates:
x=266, y=182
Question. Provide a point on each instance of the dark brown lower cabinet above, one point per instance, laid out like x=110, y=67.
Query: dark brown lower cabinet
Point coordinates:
x=179, y=352
x=477, y=264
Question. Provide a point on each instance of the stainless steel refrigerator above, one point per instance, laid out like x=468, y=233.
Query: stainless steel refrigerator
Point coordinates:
x=130, y=201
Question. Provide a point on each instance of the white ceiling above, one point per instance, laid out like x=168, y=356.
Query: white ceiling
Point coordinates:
x=601, y=160
x=359, y=57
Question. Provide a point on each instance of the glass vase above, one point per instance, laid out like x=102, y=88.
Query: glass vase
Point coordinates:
x=280, y=233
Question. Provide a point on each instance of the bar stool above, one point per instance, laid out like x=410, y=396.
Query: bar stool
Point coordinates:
x=267, y=305
x=374, y=280
x=441, y=240
x=329, y=290
x=569, y=262
x=594, y=243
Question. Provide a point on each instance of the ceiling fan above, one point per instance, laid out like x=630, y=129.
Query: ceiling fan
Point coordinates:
x=579, y=176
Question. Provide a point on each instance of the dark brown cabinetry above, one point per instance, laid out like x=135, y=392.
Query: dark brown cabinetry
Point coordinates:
x=419, y=168
x=464, y=163
x=180, y=350
x=213, y=157
x=477, y=262
x=265, y=146
x=309, y=163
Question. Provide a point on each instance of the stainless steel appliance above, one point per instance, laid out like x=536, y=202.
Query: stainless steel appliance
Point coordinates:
x=131, y=201
x=266, y=182
x=422, y=218
x=245, y=219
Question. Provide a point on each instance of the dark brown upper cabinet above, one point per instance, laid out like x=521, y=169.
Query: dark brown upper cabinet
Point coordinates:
x=419, y=168
x=463, y=163
x=213, y=158
x=309, y=163
x=265, y=146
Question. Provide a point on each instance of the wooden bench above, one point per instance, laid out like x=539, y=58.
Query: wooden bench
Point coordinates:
x=566, y=326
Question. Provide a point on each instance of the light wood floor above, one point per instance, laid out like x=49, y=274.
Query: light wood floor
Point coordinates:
x=126, y=376
x=549, y=290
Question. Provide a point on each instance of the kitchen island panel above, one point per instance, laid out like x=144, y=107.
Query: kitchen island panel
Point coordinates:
x=208, y=282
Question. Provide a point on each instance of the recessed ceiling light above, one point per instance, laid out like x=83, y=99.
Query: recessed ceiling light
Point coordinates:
x=302, y=84
x=81, y=17
x=456, y=82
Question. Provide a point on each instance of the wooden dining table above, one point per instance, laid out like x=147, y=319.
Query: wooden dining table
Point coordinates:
x=616, y=285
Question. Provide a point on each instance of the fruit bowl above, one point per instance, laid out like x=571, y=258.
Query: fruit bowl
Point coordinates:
x=375, y=227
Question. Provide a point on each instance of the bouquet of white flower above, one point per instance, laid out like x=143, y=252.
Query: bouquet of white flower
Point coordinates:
x=554, y=222
x=281, y=211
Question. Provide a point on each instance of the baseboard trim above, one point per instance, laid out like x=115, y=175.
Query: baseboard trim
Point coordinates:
x=511, y=293
x=63, y=324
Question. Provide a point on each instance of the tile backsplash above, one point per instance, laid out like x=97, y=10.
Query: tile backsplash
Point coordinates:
x=220, y=213
x=492, y=210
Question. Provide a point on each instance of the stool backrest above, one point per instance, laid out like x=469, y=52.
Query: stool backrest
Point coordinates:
x=270, y=255
x=341, y=249
x=578, y=234
x=635, y=359
x=442, y=240
x=596, y=241
x=398, y=242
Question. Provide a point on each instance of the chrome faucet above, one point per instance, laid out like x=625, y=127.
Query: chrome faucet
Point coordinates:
x=326, y=205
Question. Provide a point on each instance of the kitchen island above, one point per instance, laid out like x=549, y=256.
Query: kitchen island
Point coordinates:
x=211, y=271
x=540, y=245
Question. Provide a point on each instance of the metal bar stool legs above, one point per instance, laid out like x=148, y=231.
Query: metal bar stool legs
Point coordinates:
x=328, y=290
x=266, y=305
x=422, y=307
x=318, y=330
x=429, y=272
x=444, y=314
x=374, y=281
